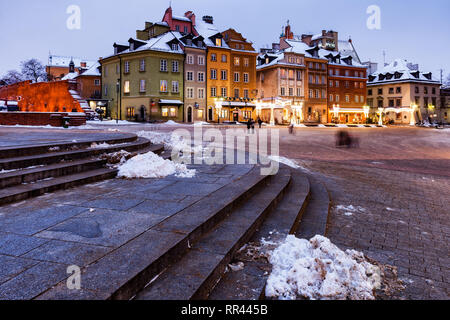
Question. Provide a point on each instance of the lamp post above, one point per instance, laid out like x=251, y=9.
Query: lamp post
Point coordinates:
x=118, y=100
x=380, y=119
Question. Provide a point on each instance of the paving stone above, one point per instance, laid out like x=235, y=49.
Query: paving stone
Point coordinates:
x=13, y=266
x=191, y=188
x=164, y=208
x=17, y=245
x=103, y=227
x=34, y=221
x=67, y=253
x=33, y=281
x=114, y=202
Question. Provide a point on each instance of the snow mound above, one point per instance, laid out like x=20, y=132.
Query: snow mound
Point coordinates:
x=170, y=141
x=150, y=165
x=317, y=269
x=172, y=123
x=286, y=161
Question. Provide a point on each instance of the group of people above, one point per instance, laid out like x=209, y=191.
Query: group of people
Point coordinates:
x=251, y=125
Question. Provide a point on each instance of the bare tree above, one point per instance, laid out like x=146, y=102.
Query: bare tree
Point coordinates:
x=11, y=77
x=34, y=70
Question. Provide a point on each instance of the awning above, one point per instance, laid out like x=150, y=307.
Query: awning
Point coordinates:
x=171, y=102
x=238, y=104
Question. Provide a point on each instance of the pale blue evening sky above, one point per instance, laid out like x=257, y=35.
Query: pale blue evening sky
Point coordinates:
x=416, y=30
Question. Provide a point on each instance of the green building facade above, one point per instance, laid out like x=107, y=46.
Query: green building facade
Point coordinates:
x=144, y=80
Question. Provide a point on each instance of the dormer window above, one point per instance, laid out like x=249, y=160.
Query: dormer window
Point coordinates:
x=174, y=46
x=218, y=42
x=267, y=60
x=185, y=29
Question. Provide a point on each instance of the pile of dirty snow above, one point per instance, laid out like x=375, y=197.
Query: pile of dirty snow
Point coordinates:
x=317, y=269
x=150, y=165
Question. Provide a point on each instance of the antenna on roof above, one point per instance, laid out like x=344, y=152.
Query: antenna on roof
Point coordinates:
x=384, y=57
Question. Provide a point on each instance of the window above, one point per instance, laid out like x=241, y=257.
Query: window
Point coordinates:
x=174, y=46
x=175, y=66
x=347, y=73
x=318, y=80
x=189, y=76
x=97, y=82
x=337, y=98
x=311, y=79
x=433, y=90
x=223, y=75
x=391, y=90
x=165, y=112
x=398, y=102
x=142, y=65
x=213, y=74
x=361, y=85
x=369, y=92
x=311, y=93
x=330, y=72
x=163, y=65
x=236, y=93
x=283, y=91
x=190, y=59
x=218, y=42
x=246, y=62
x=127, y=67
x=185, y=29
x=142, y=85
x=126, y=87
x=331, y=98
x=246, y=77
x=324, y=94
x=347, y=84
x=175, y=86
x=391, y=102
x=324, y=80
x=163, y=86
x=201, y=93
x=236, y=77
x=190, y=93
x=380, y=91
x=200, y=114
x=299, y=92
x=398, y=90
x=347, y=98
x=130, y=112
x=223, y=92
x=317, y=94
x=246, y=93
x=337, y=84
x=213, y=57
x=201, y=60
x=213, y=92
x=356, y=98
x=356, y=85
x=299, y=75
x=237, y=61
x=291, y=92
x=177, y=28
x=224, y=58
x=425, y=90
x=201, y=77
x=331, y=83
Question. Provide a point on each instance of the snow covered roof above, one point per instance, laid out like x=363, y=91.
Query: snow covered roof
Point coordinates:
x=346, y=48
x=302, y=48
x=92, y=71
x=62, y=61
x=180, y=18
x=159, y=43
x=401, y=70
x=208, y=30
x=70, y=76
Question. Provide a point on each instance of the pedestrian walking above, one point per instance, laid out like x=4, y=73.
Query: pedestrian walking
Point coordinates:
x=260, y=122
x=249, y=125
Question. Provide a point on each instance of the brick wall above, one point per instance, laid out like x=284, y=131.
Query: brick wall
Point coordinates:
x=40, y=119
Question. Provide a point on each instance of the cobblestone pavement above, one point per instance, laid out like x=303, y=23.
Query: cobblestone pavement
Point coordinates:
x=398, y=182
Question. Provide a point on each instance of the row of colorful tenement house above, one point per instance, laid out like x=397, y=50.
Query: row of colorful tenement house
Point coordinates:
x=185, y=69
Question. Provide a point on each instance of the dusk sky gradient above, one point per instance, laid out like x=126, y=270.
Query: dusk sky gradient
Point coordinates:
x=416, y=30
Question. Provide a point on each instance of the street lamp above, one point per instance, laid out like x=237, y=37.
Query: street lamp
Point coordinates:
x=218, y=108
x=118, y=100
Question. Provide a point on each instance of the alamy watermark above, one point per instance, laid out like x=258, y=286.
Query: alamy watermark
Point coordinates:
x=236, y=146
x=374, y=19
x=73, y=22
x=74, y=280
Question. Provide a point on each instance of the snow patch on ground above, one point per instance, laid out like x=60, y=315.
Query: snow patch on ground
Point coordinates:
x=113, y=122
x=317, y=269
x=150, y=165
x=286, y=161
x=170, y=141
x=350, y=210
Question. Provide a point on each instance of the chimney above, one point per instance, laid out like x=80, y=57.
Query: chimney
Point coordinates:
x=83, y=64
x=208, y=19
x=191, y=16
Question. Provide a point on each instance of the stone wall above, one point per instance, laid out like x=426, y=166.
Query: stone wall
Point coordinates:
x=41, y=119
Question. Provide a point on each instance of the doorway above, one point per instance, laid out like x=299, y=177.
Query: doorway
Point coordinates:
x=210, y=114
x=189, y=115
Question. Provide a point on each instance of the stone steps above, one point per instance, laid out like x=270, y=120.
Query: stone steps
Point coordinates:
x=128, y=269
x=38, y=170
x=198, y=271
x=29, y=150
x=249, y=283
x=26, y=176
x=55, y=157
x=25, y=191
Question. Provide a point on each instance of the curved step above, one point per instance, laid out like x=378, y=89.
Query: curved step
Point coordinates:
x=22, y=151
x=49, y=158
x=38, y=188
x=248, y=283
x=29, y=175
x=199, y=270
x=133, y=265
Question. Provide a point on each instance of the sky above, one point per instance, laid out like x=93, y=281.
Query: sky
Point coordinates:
x=415, y=30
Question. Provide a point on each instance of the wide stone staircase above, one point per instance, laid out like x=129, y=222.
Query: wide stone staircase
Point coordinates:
x=30, y=171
